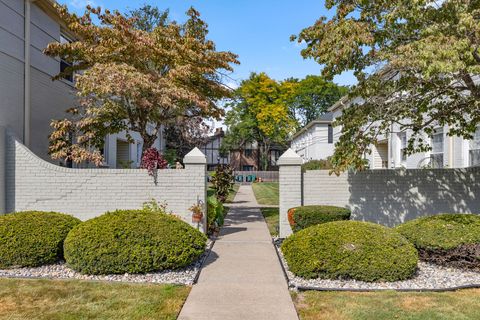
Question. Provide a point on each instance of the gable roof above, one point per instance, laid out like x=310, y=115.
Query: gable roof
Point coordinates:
x=326, y=118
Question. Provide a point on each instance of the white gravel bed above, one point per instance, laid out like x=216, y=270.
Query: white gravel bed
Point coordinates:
x=185, y=276
x=428, y=277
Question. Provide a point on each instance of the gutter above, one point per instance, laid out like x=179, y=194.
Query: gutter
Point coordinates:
x=27, y=77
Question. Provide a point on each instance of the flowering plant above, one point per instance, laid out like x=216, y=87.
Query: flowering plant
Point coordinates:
x=153, y=160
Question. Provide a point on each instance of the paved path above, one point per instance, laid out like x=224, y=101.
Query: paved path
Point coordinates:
x=242, y=278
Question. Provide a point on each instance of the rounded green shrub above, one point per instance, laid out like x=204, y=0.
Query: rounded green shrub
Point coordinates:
x=33, y=238
x=446, y=239
x=307, y=216
x=350, y=250
x=132, y=241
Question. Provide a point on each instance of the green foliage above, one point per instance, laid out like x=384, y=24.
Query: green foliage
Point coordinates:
x=215, y=214
x=222, y=180
x=350, y=250
x=154, y=206
x=33, y=238
x=427, y=54
x=307, y=216
x=170, y=156
x=260, y=113
x=444, y=231
x=132, y=241
x=147, y=18
x=323, y=164
x=312, y=98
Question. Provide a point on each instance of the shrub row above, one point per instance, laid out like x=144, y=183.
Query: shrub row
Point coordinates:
x=127, y=241
x=350, y=250
x=307, y=216
x=447, y=239
x=370, y=252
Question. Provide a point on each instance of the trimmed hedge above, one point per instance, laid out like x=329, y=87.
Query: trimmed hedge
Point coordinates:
x=132, y=241
x=350, y=250
x=446, y=239
x=307, y=216
x=33, y=238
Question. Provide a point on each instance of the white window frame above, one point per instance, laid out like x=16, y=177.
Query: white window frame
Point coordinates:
x=402, y=136
x=474, y=147
x=436, y=152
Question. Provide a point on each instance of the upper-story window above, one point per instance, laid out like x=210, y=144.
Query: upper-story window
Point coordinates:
x=63, y=63
x=403, y=146
x=474, y=153
x=330, y=133
x=436, y=156
x=248, y=152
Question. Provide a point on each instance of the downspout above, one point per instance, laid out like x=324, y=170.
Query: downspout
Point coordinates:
x=26, y=96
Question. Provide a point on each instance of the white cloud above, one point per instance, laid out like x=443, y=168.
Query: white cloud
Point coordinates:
x=81, y=4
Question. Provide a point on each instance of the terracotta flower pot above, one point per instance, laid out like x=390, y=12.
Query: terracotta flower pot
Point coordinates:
x=197, y=217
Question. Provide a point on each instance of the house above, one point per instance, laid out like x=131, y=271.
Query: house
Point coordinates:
x=248, y=158
x=245, y=159
x=316, y=141
x=29, y=99
x=212, y=150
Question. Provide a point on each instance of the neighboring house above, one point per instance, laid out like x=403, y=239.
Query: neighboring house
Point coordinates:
x=316, y=140
x=248, y=158
x=29, y=99
x=447, y=152
x=212, y=152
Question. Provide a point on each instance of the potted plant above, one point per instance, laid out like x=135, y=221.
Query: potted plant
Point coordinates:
x=197, y=213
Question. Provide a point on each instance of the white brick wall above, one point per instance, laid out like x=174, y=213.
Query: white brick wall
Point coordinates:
x=33, y=184
x=387, y=197
x=391, y=197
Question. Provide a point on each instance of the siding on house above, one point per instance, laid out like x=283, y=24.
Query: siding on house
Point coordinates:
x=49, y=99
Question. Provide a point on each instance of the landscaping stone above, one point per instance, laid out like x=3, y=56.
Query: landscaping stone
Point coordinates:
x=428, y=277
x=184, y=276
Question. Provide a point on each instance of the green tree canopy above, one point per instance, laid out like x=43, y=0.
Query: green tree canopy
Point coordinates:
x=260, y=113
x=134, y=79
x=427, y=52
x=313, y=96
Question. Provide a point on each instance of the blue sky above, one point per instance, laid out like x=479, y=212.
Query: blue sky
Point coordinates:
x=258, y=31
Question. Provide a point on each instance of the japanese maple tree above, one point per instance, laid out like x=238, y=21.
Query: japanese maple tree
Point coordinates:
x=135, y=79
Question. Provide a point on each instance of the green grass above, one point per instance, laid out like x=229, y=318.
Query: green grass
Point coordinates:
x=266, y=192
x=271, y=216
x=74, y=299
x=314, y=305
x=231, y=195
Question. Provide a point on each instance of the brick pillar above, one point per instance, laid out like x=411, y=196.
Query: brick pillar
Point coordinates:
x=196, y=166
x=3, y=182
x=290, y=186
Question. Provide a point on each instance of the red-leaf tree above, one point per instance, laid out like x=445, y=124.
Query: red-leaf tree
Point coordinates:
x=135, y=80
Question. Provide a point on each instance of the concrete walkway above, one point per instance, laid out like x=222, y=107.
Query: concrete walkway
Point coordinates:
x=242, y=278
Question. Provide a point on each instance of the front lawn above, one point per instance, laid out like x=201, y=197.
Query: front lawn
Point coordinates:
x=315, y=305
x=72, y=299
x=266, y=192
x=271, y=216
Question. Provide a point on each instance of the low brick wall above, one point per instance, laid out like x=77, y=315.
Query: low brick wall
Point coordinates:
x=33, y=184
x=387, y=197
x=391, y=197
